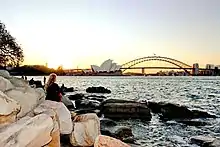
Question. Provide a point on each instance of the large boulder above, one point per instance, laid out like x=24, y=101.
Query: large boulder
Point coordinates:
x=205, y=141
x=106, y=141
x=169, y=111
x=31, y=132
x=122, y=109
x=99, y=89
x=5, y=84
x=18, y=82
x=5, y=73
x=27, y=98
x=86, y=129
x=9, y=109
x=62, y=113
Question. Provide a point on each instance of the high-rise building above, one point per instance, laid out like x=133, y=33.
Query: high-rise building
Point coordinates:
x=195, y=70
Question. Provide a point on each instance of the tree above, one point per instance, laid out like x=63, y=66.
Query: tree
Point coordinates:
x=10, y=52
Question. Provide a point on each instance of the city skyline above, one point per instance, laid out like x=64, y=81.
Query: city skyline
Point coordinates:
x=82, y=33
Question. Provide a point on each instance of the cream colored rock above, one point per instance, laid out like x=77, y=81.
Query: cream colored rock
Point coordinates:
x=42, y=94
x=106, y=141
x=5, y=74
x=86, y=129
x=5, y=84
x=27, y=98
x=18, y=82
x=27, y=132
x=9, y=108
x=62, y=113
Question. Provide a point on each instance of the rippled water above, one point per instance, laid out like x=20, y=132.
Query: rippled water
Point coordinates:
x=201, y=93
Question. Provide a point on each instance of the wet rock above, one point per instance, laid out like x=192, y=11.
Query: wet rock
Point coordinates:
x=106, y=122
x=124, y=133
x=70, y=89
x=203, y=141
x=174, y=111
x=107, y=141
x=100, y=98
x=97, y=90
x=77, y=96
x=193, y=122
x=86, y=129
x=84, y=111
x=121, y=109
x=85, y=103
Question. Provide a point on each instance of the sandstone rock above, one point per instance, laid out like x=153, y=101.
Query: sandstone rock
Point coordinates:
x=18, y=82
x=55, y=142
x=63, y=114
x=86, y=129
x=106, y=141
x=5, y=84
x=67, y=102
x=9, y=108
x=27, y=132
x=5, y=74
x=27, y=98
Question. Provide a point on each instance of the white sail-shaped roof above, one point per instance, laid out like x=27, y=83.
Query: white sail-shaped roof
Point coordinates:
x=106, y=66
x=117, y=67
x=114, y=65
x=95, y=68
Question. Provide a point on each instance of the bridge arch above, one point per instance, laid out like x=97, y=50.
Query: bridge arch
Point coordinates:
x=175, y=62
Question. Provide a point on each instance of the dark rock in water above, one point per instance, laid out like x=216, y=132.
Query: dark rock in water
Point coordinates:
x=97, y=90
x=107, y=122
x=121, y=109
x=96, y=97
x=78, y=96
x=37, y=83
x=175, y=111
x=70, y=89
x=107, y=132
x=193, y=122
x=205, y=141
x=123, y=132
x=84, y=103
x=84, y=111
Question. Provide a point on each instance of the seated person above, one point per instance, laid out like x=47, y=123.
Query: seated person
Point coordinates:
x=52, y=89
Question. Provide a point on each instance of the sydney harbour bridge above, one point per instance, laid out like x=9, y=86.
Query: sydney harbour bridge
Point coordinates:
x=133, y=64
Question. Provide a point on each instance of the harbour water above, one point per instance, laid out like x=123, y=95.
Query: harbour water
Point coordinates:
x=201, y=93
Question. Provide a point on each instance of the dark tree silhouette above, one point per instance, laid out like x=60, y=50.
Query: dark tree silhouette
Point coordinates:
x=10, y=52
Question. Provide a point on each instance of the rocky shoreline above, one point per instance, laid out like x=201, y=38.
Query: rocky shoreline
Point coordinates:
x=27, y=119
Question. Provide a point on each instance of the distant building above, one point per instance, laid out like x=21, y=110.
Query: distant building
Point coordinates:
x=107, y=67
x=195, y=70
x=210, y=66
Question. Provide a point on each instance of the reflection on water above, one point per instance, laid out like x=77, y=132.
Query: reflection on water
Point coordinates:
x=195, y=92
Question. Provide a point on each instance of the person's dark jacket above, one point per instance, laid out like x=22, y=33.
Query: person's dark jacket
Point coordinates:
x=53, y=92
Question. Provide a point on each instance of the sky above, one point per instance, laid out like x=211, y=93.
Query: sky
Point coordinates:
x=79, y=33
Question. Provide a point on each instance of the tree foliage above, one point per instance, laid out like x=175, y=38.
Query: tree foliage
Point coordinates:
x=10, y=52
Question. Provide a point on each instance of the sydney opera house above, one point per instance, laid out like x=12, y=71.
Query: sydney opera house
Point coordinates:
x=107, y=68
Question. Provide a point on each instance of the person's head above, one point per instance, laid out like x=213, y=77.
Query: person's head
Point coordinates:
x=51, y=80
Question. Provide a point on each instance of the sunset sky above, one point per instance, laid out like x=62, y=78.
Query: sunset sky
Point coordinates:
x=78, y=33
